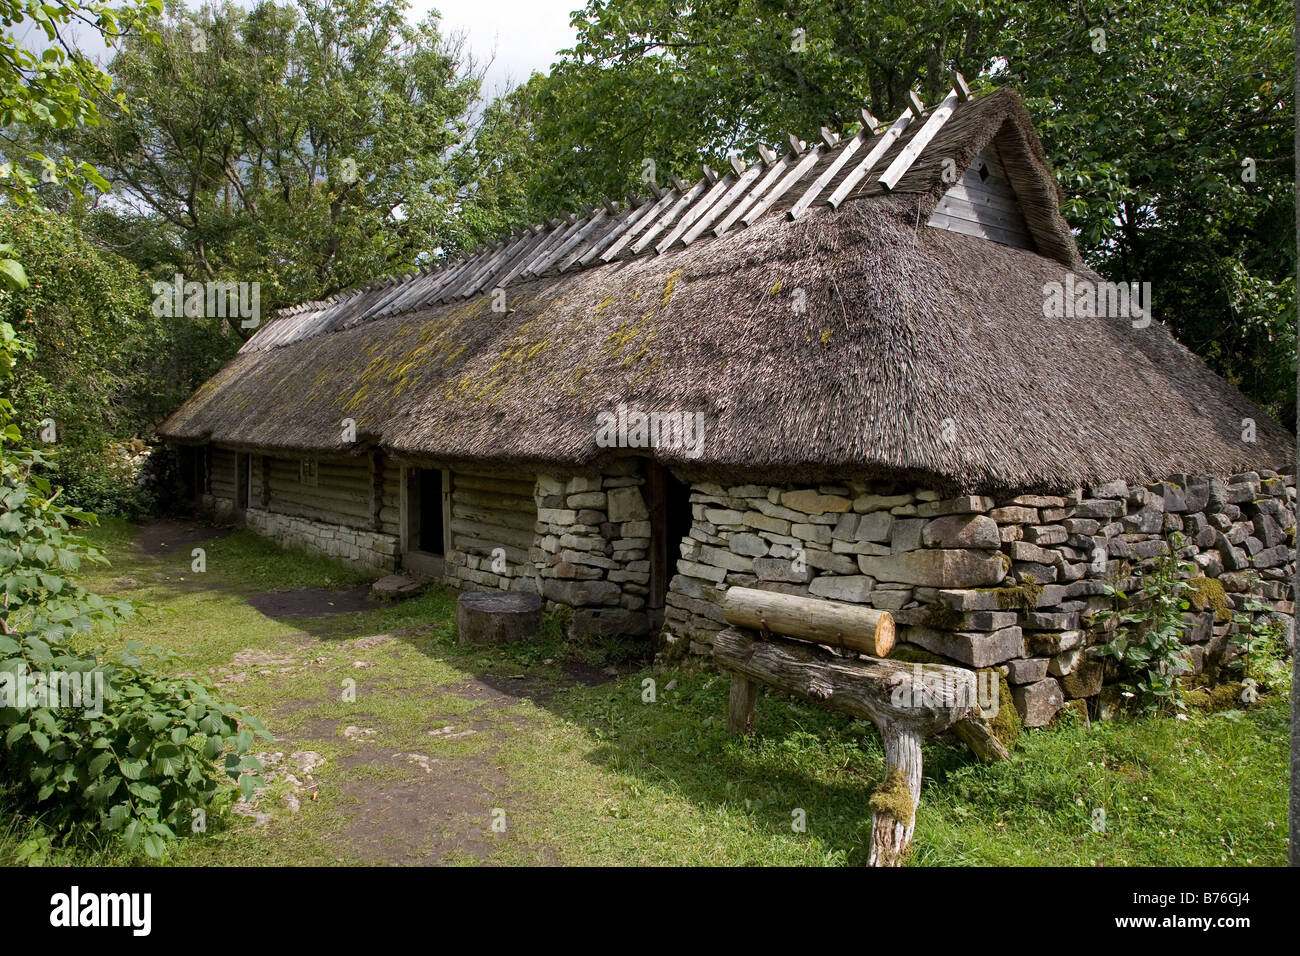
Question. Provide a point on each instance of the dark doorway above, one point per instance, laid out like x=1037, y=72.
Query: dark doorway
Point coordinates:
x=243, y=479
x=669, y=503
x=431, y=528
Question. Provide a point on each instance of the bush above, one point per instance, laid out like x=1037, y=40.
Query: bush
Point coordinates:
x=1148, y=640
x=138, y=766
x=94, y=745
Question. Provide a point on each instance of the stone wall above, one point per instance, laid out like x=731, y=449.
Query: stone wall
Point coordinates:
x=369, y=550
x=592, y=549
x=983, y=583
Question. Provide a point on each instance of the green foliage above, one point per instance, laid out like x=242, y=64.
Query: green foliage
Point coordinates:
x=103, y=368
x=1149, y=136
x=1264, y=660
x=1148, y=638
x=56, y=88
x=308, y=146
x=108, y=745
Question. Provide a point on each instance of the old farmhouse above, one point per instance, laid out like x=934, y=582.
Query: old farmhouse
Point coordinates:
x=871, y=369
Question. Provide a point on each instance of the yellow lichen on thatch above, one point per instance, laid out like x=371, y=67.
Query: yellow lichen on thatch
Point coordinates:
x=670, y=285
x=775, y=289
x=604, y=303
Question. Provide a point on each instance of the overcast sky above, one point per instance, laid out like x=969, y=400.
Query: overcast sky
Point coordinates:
x=525, y=34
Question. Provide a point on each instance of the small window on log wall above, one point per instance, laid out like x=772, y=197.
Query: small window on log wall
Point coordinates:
x=307, y=471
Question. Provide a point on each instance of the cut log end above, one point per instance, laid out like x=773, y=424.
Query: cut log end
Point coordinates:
x=884, y=635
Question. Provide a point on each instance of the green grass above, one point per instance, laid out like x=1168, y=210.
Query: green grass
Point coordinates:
x=593, y=775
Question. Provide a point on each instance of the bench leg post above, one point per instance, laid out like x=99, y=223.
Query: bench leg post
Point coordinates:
x=893, y=819
x=740, y=711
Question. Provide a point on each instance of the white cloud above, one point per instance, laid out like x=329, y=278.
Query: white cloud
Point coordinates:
x=524, y=35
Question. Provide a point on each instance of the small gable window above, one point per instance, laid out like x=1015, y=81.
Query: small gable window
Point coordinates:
x=307, y=471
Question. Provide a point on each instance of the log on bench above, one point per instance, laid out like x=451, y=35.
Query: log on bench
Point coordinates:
x=905, y=702
x=834, y=623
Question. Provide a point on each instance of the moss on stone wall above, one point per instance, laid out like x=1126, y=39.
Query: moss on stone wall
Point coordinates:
x=1207, y=593
x=1020, y=597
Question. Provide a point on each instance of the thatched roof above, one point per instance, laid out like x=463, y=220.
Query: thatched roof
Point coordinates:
x=849, y=342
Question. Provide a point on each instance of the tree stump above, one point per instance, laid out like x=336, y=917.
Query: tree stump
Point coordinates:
x=497, y=617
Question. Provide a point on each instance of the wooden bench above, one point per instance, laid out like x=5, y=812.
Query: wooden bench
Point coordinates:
x=774, y=641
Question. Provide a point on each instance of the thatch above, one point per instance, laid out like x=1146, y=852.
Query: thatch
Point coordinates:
x=918, y=354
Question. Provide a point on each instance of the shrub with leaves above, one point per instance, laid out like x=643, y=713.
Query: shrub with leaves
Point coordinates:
x=1148, y=639
x=157, y=746
x=1264, y=657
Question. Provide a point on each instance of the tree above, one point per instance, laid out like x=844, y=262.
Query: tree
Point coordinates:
x=652, y=87
x=58, y=88
x=309, y=147
x=103, y=368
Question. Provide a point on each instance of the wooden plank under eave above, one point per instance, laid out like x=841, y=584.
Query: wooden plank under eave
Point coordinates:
x=828, y=175
x=868, y=162
x=652, y=214
x=800, y=170
x=668, y=218
x=692, y=216
x=909, y=153
x=742, y=183
x=774, y=172
x=1006, y=237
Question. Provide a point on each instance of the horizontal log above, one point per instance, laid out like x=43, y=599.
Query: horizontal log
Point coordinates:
x=864, y=629
x=926, y=698
x=489, y=499
x=496, y=517
x=355, y=522
x=503, y=536
x=507, y=486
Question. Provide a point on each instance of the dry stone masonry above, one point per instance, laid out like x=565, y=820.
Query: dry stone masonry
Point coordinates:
x=368, y=550
x=592, y=549
x=1008, y=584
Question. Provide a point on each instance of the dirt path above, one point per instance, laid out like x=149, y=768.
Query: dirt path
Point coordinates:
x=400, y=805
